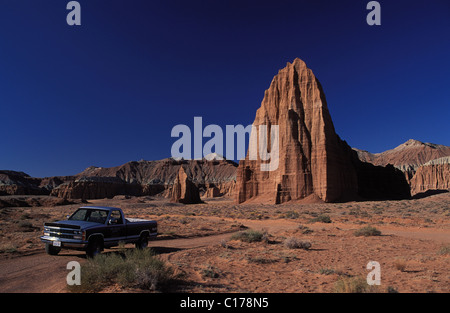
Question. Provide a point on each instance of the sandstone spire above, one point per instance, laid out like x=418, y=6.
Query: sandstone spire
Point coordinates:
x=184, y=191
x=313, y=161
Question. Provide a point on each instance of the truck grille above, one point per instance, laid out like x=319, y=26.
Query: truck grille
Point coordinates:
x=60, y=232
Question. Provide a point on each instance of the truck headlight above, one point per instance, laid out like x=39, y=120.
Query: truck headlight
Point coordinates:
x=79, y=235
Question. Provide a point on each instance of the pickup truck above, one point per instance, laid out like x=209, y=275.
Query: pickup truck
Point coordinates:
x=93, y=228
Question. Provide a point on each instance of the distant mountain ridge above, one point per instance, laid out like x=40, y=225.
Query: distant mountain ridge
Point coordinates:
x=426, y=165
x=132, y=178
x=412, y=153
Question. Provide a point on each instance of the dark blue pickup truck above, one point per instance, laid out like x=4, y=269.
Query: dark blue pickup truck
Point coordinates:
x=93, y=228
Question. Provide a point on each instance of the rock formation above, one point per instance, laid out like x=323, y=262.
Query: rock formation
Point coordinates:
x=407, y=157
x=212, y=191
x=19, y=183
x=433, y=175
x=313, y=161
x=96, y=188
x=31, y=201
x=141, y=178
x=184, y=190
x=425, y=165
x=165, y=171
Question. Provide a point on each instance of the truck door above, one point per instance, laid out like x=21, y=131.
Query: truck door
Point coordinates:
x=116, y=227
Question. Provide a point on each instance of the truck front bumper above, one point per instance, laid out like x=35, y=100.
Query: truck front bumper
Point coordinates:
x=64, y=243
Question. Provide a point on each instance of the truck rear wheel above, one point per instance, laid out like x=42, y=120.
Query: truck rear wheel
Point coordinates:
x=142, y=242
x=95, y=247
x=50, y=249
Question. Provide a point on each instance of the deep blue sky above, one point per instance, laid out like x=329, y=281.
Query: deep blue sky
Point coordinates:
x=110, y=91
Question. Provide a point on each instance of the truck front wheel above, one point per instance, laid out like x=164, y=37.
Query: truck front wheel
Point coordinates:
x=95, y=247
x=50, y=249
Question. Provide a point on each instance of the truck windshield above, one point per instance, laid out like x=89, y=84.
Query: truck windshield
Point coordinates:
x=90, y=215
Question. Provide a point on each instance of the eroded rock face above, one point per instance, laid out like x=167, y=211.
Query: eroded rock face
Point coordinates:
x=314, y=163
x=212, y=191
x=408, y=156
x=99, y=188
x=312, y=158
x=136, y=178
x=164, y=172
x=425, y=165
x=184, y=190
x=433, y=175
x=19, y=183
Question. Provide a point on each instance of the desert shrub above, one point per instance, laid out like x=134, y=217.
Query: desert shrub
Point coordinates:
x=248, y=235
x=305, y=230
x=8, y=248
x=26, y=226
x=265, y=236
x=400, y=265
x=326, y=271
x=294, y=243
x=150, y=273
x=391, y=289
x=358, y=212
x=356, y=284
x=367, y=231
x=134, y=268
x=291, y=215
x=323, y=218
x=378, y=210
x=261, y=260
x=224, y=244
x=25, y=216
x=444, y=250
x=210, y=271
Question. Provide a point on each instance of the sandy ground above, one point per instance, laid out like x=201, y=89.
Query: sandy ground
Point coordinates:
x=413, y=250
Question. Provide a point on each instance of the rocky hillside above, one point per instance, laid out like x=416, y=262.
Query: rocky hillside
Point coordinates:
x=132, y=178
x=165, y=171
x=433, y=175
x=407, y=156
x=424, y=164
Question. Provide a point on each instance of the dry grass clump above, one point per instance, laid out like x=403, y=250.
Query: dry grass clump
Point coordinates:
x=134, y=268
x=356, y=284
x=8, y=248
x=295, y=243
x=400, y=264
x=249, y=235
x=444, y=250
x=323, y=218
x=367, y=231
x=210, y=271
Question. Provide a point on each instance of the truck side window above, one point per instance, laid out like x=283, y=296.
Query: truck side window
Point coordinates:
x=117, y=216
